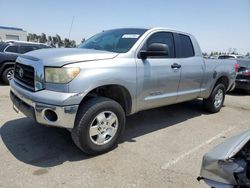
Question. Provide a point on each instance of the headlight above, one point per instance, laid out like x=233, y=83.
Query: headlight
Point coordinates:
x=61, y=75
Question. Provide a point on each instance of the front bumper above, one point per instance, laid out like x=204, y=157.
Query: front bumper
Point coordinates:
x=63, y=115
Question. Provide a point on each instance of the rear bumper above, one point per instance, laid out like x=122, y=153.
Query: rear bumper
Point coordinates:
x=242, y=84
x=63, y=116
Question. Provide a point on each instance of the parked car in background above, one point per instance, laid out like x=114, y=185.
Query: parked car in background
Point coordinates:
x=9, y=51
x=230, y=56
x=243, y=77
x=228, y=164
x=115, y=73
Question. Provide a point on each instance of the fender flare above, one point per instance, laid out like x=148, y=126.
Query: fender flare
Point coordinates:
x=7, y=63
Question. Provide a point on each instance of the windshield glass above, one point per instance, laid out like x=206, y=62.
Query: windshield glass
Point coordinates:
x=117, y=40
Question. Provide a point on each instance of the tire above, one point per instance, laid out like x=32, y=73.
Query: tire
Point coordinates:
x=6, y=73
x=248, y=91
x=91, y=114
x=210, y=104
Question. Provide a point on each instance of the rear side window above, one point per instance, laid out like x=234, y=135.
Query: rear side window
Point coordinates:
x=186, y=46
x=13, y=49
x=164, y=38
x=25, y=49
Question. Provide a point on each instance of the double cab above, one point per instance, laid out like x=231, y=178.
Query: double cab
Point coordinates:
x=91, y=89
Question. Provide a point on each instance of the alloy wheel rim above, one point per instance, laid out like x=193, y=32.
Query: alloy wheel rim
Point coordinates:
x=10, y=74
x=103, y=128
x=218, y=98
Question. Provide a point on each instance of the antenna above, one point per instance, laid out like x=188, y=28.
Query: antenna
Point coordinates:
x=71, y=26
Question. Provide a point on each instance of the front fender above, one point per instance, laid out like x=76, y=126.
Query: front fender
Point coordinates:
x=120, y=72
x=6, y=64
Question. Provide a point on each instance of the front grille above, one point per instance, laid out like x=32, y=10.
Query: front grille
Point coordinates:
x=24, y=74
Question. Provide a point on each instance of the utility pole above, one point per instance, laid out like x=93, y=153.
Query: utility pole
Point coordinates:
x=71, y=26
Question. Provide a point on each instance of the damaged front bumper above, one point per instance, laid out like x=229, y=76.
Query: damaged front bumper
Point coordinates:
x=227, y=165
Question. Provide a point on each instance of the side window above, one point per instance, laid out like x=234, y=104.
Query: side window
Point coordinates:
x=186, y=46
x=164, y=38
x=13, y=49
x=25, y=49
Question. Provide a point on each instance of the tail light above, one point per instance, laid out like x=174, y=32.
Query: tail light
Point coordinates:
x=236, y=67
x=246, y=73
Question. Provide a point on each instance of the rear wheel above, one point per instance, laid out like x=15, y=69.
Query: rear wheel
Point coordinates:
x=7, y=75
x=214, y=103
x=99, y=125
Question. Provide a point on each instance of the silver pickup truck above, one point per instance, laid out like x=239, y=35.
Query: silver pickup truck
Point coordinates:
x=91, y=89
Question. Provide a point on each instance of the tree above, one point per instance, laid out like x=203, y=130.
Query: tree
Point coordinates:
x=36, y=37
x=49, y=38
x=66, y=43
x=29, y=37
x=204, y=54
x=49, y=41
x=54, y=41
x=73, y=44
x=83, y=40
x=59, y=40
x=248, y=54
x=43, y=38
x=69, y=43
x=234, y=51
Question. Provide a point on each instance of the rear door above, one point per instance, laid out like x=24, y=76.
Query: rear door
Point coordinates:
x=192, y=69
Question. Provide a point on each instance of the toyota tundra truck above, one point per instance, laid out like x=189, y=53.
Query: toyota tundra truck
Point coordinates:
x=91, y=89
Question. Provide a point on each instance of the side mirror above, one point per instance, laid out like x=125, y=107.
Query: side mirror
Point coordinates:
x=154, y=50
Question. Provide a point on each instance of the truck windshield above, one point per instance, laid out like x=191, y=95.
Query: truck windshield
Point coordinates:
x=117, y=40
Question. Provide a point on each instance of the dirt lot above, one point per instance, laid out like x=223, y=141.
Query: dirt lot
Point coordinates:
x=161, y=148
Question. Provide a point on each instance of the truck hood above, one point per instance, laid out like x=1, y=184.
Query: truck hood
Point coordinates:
x=61, y=56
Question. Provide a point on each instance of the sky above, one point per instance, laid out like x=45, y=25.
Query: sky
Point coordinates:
x=217, y=24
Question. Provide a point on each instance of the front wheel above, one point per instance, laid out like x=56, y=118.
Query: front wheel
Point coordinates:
x=7, y=75
x=214, y=103
x=98, y=126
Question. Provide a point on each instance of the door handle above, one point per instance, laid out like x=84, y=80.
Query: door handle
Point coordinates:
x=175, y=66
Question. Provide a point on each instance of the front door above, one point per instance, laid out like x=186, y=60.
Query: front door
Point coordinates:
x=158, y=77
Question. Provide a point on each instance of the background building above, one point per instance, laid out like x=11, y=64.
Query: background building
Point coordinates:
x=12, y=33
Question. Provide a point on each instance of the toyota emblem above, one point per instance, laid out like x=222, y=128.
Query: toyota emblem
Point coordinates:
x=20, y=72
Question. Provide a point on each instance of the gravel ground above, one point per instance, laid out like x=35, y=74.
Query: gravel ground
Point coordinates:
x=162, y=147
